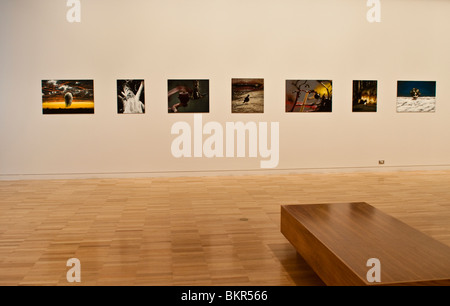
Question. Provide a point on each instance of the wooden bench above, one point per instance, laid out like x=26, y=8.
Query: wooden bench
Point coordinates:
x=337, y=240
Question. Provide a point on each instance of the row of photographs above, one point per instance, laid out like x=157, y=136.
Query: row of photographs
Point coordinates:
x=192, y=96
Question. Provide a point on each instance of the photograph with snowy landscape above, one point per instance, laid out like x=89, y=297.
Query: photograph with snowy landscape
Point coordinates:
x=416, y=96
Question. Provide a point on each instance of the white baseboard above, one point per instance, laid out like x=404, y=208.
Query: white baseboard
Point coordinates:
x=335, y=170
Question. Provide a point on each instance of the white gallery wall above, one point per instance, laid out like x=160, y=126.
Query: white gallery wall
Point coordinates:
x=157, y=40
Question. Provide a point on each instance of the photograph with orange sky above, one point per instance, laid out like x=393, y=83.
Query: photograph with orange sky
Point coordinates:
x=67, y=97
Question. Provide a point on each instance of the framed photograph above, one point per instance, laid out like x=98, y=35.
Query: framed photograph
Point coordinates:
x=247, y=95
x=188, y=96
x=130, y=97
x=416, y=96
x=365, y=96
x=309, y=96
x=67, y=97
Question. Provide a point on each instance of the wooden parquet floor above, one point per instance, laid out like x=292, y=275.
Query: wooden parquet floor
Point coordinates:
x=190, y=231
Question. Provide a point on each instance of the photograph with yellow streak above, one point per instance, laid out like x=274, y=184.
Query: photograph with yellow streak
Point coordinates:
x=365, y=96
x=308, y=96
x=67, y=97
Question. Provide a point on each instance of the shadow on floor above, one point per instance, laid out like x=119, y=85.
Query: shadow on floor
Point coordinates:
x=295, y=266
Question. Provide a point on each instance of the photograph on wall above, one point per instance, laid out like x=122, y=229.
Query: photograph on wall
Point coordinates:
x=365, y=95
x=309, y=96
x=130, y=97
x=188, y=96
x=247, y=95
x=67, y=97
x=416, y=96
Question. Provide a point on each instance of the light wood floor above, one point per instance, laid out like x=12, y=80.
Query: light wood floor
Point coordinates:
x=190, y=231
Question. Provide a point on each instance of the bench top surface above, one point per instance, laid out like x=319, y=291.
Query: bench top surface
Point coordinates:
x=356, y=232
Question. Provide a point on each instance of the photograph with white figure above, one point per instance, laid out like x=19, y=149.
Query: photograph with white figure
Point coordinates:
x=130, y=97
